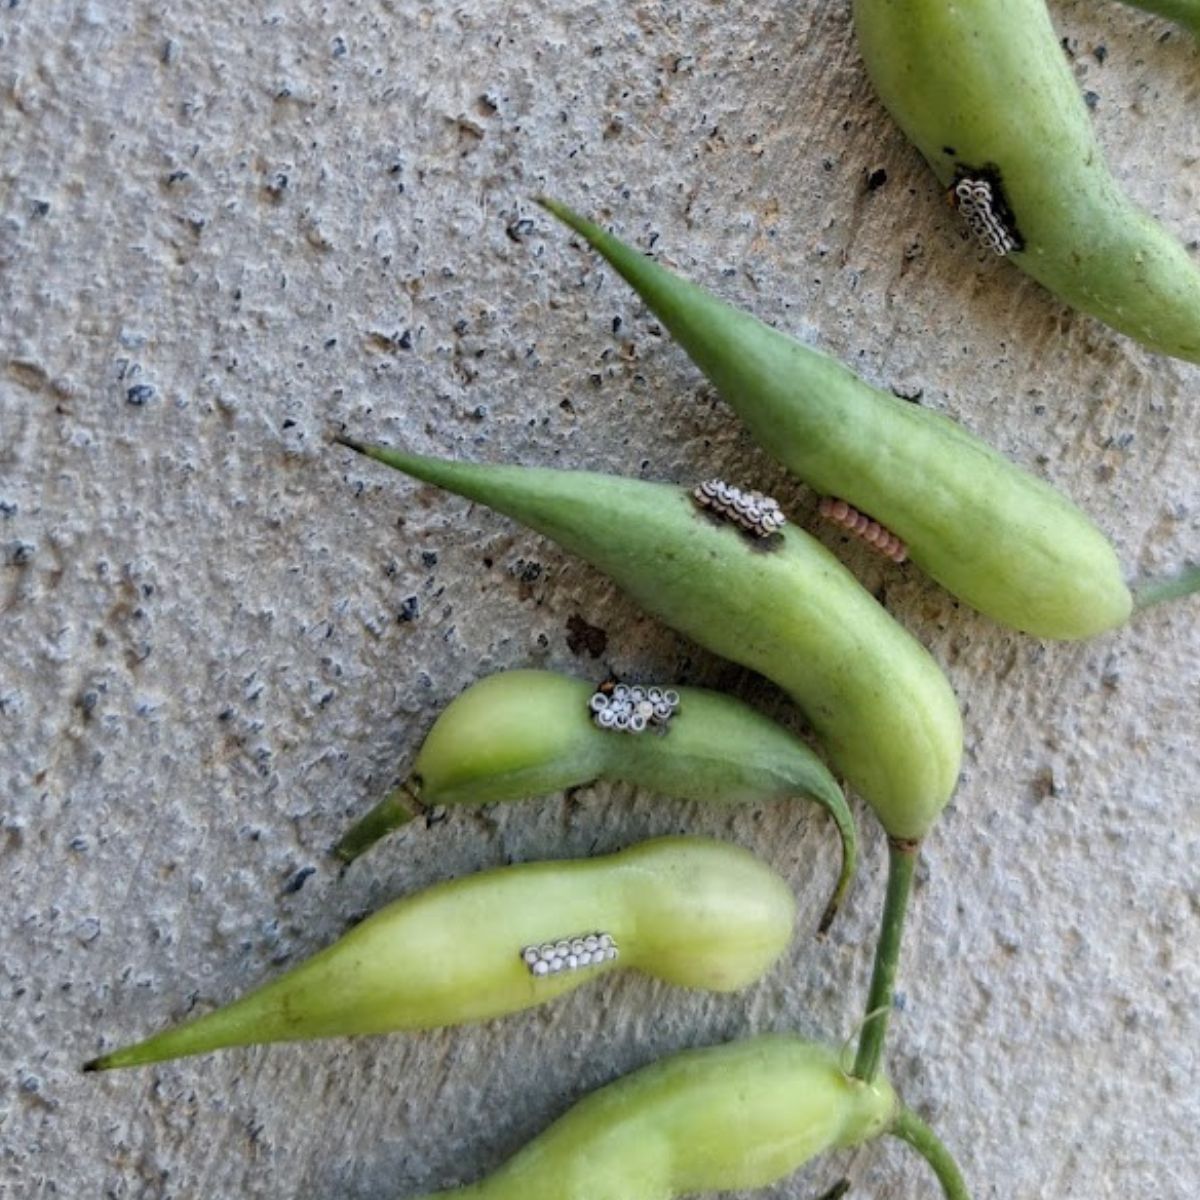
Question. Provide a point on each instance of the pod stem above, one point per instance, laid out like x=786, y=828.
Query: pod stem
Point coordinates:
x=397, y=808
x=1149, y=592
x=902, y=862
x=908, y=1127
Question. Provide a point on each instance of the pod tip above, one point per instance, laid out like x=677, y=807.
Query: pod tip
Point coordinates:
x=93, y=1064
x=568, y=216
x=341, y=439
x=345, y=851
x=397, y=808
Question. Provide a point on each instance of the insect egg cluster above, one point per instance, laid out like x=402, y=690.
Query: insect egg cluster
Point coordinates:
x=974, y=199
x=850, y=519
x=754, y=512
x=632, y=709
x=569, y=954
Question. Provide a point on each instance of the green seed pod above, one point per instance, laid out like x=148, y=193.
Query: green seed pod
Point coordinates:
x=694, y=912
x=518, y=734
x=719, y=1119
x=781, y=605
x=985, y=92
x=995, y=536
x=1182, y=12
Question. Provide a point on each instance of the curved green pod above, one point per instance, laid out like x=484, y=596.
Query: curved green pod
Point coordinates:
x=994, y=535
x=783, y=606
x=1182, y=12
x=692, y=911
x=984, y=91
x=743, y=1115
x=525, y=733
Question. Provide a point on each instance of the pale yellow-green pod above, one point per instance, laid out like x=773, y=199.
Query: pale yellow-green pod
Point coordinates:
x=983, y=89
x=518, y=734
x=744, y=1115
x=691, y=911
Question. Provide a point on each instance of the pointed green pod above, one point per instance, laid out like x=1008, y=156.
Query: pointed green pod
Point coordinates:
x=723, y=1118
x=783, y=606
x=518, y=734
x=1182, y=12
x=992, y=534
x=984, y=91
x=692, y=911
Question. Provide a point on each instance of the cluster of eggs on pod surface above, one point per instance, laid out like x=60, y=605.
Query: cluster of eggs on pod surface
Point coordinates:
x=974, y=199
x=630, y=708
x=754, y=512
x=569, y=954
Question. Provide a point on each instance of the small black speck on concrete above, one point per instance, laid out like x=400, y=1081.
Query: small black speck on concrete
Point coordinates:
x=405, y=340
x=1091, y=99
x=876, y=179
x=519, y=230
x=140, y=393
x=297, y=881
x=410, y=610
x=429, y=558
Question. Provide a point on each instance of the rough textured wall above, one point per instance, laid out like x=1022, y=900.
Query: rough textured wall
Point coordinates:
x=224, y=228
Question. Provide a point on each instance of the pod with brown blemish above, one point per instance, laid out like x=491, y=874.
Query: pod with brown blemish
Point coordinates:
x=782, y=605
x=691, y=911
x=985, y=92
x=722, y=1118
x=994, y=535
x=523, y=733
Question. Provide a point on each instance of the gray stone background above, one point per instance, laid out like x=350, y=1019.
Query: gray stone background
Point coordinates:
x=224, y=228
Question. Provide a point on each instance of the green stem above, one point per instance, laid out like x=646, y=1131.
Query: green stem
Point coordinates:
x=1149, y=592
x=902, y=862
x=397, y=808
x=908, y=1127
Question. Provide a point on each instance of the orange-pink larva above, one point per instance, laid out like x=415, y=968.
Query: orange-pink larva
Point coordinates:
x=859, y=524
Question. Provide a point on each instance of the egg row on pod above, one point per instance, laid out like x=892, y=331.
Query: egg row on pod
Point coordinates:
x=569, y=954
x=756, y=513
x=975, y=201
x=630, y=708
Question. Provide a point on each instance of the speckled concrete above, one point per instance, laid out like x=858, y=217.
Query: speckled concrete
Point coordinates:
x=224, y=228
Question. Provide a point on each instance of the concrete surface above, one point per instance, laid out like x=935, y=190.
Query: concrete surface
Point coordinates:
x=223, y=228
